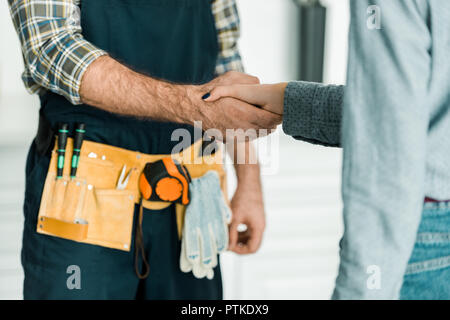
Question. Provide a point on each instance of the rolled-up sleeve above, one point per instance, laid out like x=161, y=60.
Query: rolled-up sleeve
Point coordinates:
x=385, y=123
x=55, y=53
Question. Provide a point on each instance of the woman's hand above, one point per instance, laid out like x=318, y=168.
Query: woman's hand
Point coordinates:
x=269, y=97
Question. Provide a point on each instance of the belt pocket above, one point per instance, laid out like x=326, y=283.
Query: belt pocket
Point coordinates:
x=110, y=217
x=61, y=212
x=75, y=210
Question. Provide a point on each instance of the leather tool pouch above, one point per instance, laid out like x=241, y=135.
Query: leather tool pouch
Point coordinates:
x=87, y=210
x=90, y=209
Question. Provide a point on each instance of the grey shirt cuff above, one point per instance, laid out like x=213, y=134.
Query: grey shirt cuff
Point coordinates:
x=313, y=112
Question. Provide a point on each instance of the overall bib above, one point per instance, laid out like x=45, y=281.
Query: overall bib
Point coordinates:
x=173, y=40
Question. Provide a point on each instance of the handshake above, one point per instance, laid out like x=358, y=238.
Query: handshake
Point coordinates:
x=236, y=101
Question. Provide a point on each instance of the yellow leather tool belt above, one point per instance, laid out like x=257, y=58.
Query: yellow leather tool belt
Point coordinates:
x=90, y=209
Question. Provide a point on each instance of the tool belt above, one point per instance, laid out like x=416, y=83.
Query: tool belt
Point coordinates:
x=89, y=208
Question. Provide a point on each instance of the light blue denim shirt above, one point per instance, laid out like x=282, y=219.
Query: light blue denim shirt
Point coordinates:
x=395, y=135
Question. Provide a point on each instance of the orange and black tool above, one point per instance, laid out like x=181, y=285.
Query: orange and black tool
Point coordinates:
x=165, y=180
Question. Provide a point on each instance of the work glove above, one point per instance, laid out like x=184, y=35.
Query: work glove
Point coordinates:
x=205, y=231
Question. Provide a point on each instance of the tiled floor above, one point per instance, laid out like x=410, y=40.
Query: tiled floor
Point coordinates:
x=298, y=258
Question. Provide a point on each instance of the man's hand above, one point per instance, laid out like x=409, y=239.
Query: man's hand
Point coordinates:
x=230, y=78
x=248, y=209
x=247, y=203
x=231, y=113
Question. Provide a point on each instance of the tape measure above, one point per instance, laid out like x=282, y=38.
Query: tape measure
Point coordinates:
x=165, y=180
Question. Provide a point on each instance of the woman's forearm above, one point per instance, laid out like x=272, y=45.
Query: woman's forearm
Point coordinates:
x=313, y=112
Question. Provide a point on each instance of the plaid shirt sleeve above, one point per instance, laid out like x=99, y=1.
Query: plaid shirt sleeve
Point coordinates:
x=228, y=32
x=55, y=53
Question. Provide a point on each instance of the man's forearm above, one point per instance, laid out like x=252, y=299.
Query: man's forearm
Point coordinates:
x=111, y=86
x=246, y=165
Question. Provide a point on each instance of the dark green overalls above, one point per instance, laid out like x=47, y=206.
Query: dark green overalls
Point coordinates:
x=174, y=40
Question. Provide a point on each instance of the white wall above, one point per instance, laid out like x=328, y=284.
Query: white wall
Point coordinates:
x=336, y=42
x=269, y=39
x=18, y=110
x=10, y=58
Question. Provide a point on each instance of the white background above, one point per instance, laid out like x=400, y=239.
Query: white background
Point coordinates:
x=299, y=256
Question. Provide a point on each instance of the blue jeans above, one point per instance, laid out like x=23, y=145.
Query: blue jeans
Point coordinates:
x=428, y=273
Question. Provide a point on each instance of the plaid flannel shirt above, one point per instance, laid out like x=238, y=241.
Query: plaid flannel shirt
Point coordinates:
x=56, y=55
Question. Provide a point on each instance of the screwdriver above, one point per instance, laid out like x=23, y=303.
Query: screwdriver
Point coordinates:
x=63, y=132
x=77, y=143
